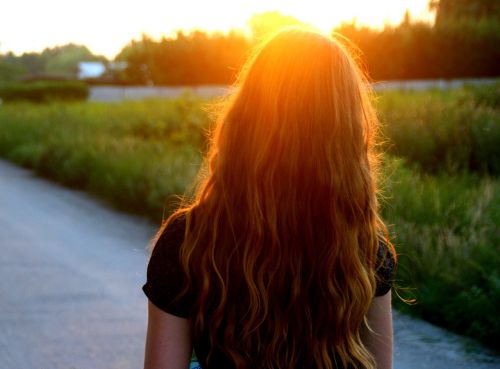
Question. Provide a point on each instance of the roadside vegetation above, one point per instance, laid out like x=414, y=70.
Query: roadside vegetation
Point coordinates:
x=449, y=132
x=44, y=91
x=134, y=155
x=441, y=191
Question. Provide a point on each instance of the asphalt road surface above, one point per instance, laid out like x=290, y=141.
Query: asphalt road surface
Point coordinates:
x=71, y=272
x=120, y=93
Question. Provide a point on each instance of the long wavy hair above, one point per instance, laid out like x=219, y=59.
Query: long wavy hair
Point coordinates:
x=282, y=233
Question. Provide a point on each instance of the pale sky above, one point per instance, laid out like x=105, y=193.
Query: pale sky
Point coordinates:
x=105, y=26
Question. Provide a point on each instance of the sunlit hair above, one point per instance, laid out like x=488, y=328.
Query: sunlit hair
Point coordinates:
x=281, y=236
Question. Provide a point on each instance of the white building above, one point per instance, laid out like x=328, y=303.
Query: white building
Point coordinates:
x=91, y=69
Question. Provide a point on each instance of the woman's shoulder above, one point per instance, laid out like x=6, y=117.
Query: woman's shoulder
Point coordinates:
x=385, y=268
x=171, y=233
x=165, y=276
x=166, y=246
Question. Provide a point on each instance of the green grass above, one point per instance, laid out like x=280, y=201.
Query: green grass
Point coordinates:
x=136, y=155
x=444, y=216
x=448, y=242
x=444, y=130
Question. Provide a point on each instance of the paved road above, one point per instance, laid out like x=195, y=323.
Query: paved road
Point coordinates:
x=119, y=93
x=71, y=271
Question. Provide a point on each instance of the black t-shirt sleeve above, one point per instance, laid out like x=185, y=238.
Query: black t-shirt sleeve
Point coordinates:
x=166, y=280
x=165, y=277
x=386, y=269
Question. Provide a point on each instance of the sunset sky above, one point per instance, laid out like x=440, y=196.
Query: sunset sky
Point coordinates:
x=105, y=26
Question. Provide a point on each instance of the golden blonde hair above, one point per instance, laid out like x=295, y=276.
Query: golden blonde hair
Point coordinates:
x=282, y=235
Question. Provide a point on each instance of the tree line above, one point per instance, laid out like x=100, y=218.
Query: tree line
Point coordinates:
x=462, y=42
x=60, y=62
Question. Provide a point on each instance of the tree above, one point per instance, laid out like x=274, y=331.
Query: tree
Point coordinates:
x=10, y=67
x=60, y=61
x=187, y=59
x=453, y=10
x=63, y=60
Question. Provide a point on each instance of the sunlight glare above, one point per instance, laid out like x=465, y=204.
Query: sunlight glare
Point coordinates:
x=105, y=27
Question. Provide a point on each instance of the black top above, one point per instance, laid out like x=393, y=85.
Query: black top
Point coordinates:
x=165, y=280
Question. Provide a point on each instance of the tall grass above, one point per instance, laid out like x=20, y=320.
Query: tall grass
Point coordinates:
x=136, y=155
x=443, y=213
x=448, y=242
x=445, y=130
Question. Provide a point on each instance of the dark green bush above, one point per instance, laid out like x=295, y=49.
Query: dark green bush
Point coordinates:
x=44, y=91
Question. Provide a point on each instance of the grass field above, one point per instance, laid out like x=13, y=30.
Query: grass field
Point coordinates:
x=447, y=237
x=441, y=187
